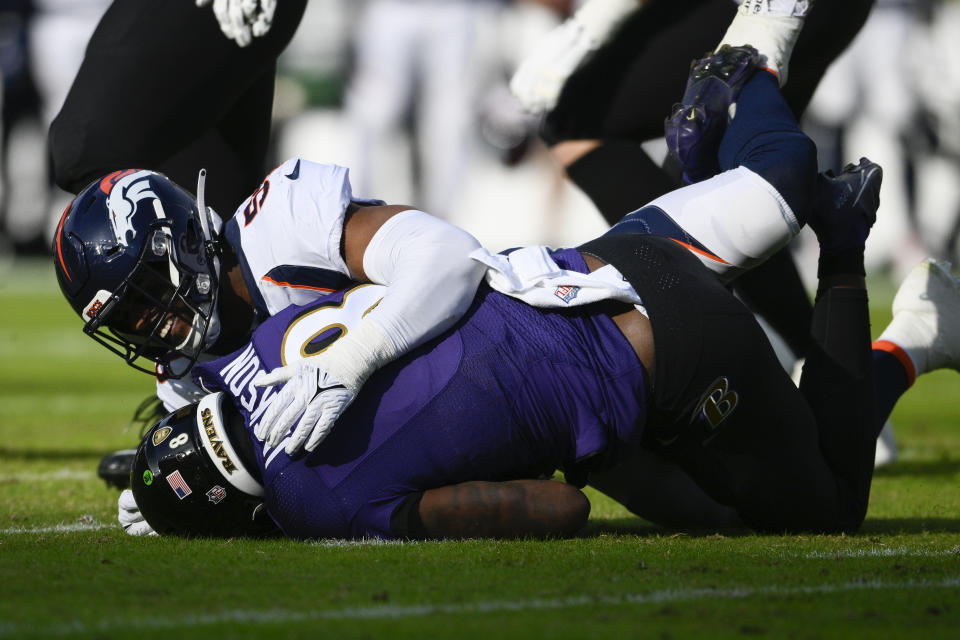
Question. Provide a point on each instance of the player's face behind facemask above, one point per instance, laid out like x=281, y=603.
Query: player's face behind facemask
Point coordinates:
x=153, y=318
x=189, y=480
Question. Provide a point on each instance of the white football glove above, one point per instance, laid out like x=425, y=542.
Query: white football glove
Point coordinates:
x=243, y=20
x=130, y=517
x=311, y=391
x=539, y=79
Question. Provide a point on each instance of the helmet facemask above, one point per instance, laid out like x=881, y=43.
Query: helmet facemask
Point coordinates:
x=163, y=311
x=136, y=259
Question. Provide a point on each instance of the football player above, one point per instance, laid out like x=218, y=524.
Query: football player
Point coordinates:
x=138, y=258
x=159, y=280
x=136, y=261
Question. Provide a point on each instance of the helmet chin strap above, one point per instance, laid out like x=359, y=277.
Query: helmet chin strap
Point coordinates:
x=206, y=216
x=202, y=205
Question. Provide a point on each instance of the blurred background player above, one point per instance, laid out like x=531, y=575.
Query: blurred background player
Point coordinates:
x=192, y=96
x=420, y=63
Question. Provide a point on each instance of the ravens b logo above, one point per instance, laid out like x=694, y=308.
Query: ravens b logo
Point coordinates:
x=718, y=402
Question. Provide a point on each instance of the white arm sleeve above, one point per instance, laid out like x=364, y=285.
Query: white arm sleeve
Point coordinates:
x=431, y=282
x=432, y=279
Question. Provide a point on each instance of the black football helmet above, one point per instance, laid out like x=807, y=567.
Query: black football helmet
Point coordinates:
x=135, y=258
x=188, y=478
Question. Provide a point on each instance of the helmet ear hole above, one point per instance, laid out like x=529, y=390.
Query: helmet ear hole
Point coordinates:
x=192, y=235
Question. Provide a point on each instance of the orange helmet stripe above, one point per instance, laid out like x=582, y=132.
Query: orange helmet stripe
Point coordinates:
x=60, y=235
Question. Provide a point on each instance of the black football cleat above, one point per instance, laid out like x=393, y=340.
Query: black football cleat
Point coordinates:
x=115, y=468
x=846, y=206
x=697, y=124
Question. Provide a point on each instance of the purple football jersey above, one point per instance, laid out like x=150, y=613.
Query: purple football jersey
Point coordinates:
x=509, y=391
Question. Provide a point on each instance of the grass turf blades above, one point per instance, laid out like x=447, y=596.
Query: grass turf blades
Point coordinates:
x=67, y=570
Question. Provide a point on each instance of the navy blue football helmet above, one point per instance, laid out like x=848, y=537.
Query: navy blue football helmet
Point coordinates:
x=137, y=262
x=188, y=477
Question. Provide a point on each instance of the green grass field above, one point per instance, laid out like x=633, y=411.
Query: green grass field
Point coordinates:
x=67, y=570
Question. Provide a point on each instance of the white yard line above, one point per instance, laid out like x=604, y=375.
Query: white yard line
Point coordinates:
x=882, y=552
x=38, y=476
x=58, y=528
x=334, y=543
x=270, y=616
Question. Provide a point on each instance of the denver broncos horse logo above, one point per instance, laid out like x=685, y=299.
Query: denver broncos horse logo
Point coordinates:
x=124, y=189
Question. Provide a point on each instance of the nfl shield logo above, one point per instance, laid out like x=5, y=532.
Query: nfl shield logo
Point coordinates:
x=567, y=293
x=216, y=494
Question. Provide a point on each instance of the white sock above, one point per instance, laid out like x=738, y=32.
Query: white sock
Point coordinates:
x=772, y=28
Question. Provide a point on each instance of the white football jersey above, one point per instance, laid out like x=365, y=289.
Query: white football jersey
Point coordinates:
x=287, y=236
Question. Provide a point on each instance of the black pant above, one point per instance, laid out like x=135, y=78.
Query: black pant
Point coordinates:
x=627, y=89
x=725, y=411
x=161, y=88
